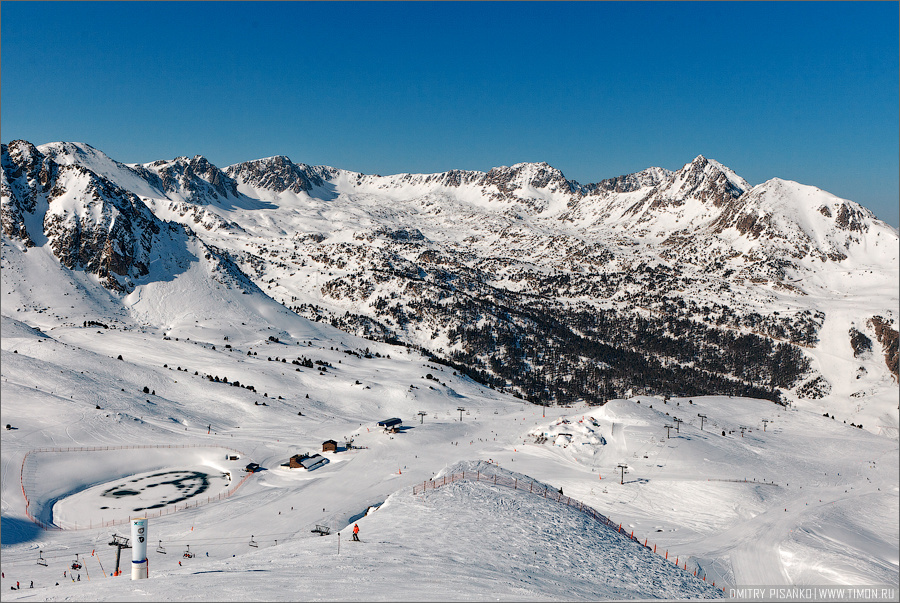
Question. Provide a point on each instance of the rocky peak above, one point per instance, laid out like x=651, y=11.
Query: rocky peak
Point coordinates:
x=708, y=181
x=27, y=174
x=647, y=178
x=195, y=179
x=66, y=153
x=277, y=174
x=23, y=162
x=528, y=175
x=94, y=225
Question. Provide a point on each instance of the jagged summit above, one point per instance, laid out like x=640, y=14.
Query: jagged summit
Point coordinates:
x=279, y=174
x=192, y=179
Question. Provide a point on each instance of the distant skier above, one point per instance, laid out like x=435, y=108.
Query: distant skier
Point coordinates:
x=356, y=532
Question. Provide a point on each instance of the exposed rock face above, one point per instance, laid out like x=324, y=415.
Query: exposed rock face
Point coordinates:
x=96, y=226
x=89, y=223
x=860, y=343
x=648, y=178
x=889, y=338
x=278, y=174
x=195, y=180
x=27, y=174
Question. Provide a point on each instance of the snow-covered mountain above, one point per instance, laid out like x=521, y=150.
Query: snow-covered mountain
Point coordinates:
x=194, y=312
x=691, y=280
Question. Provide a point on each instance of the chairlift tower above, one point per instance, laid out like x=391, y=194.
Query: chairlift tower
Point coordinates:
x=678, y=423
x=422, y=414
x=764, y=421
x=702, y=419
x=622, y=468
x=461, y=411
x=121, y=543
x=668, y=427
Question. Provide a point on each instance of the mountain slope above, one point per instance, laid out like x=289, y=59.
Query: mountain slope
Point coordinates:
x=687, y=282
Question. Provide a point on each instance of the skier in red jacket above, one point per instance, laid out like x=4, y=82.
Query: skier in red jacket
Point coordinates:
x=356, y=532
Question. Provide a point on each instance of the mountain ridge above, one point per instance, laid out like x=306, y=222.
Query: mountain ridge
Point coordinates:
x=469, y=265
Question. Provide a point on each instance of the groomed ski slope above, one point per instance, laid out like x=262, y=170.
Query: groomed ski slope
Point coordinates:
x=463, y=541
x=466, y=541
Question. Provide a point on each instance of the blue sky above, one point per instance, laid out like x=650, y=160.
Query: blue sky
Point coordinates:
x=805, y=91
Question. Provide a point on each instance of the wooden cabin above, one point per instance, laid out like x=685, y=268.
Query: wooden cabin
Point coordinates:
x=329, y=446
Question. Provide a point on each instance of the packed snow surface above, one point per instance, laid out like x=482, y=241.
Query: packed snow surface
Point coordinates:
x=794, y=500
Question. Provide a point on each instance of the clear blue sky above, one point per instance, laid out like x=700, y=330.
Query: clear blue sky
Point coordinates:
x=805, y=91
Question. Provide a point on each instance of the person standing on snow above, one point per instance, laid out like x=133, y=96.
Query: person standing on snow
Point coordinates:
x=356, y=532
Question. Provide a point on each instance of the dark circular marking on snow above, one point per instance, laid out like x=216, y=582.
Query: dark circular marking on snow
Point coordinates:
x=188, y=484
x=119, y=493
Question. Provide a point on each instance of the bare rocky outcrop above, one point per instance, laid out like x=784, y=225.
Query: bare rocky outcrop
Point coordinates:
x=889, y=339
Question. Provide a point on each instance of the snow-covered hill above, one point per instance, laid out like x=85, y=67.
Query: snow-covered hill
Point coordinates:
x=789, y=501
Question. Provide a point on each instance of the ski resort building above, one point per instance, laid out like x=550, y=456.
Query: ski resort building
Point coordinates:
x=390, y=424
x=314, y=462
x=329, y=446
x=305, y=461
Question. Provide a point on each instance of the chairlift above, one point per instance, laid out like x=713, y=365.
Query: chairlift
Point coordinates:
x=160, y=548
x=188, y=554
x=468, y=413
x=253, y=542
x=41, y=560
x=76, y=565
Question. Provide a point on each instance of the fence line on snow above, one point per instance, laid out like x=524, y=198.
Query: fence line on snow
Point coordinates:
x=167, y=510
x=549, y=493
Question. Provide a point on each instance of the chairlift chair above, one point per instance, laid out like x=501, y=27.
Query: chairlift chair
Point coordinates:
x=76, y=565
x=253, y=543
x=41, y=560
x=160, y=548
x=188, y=554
